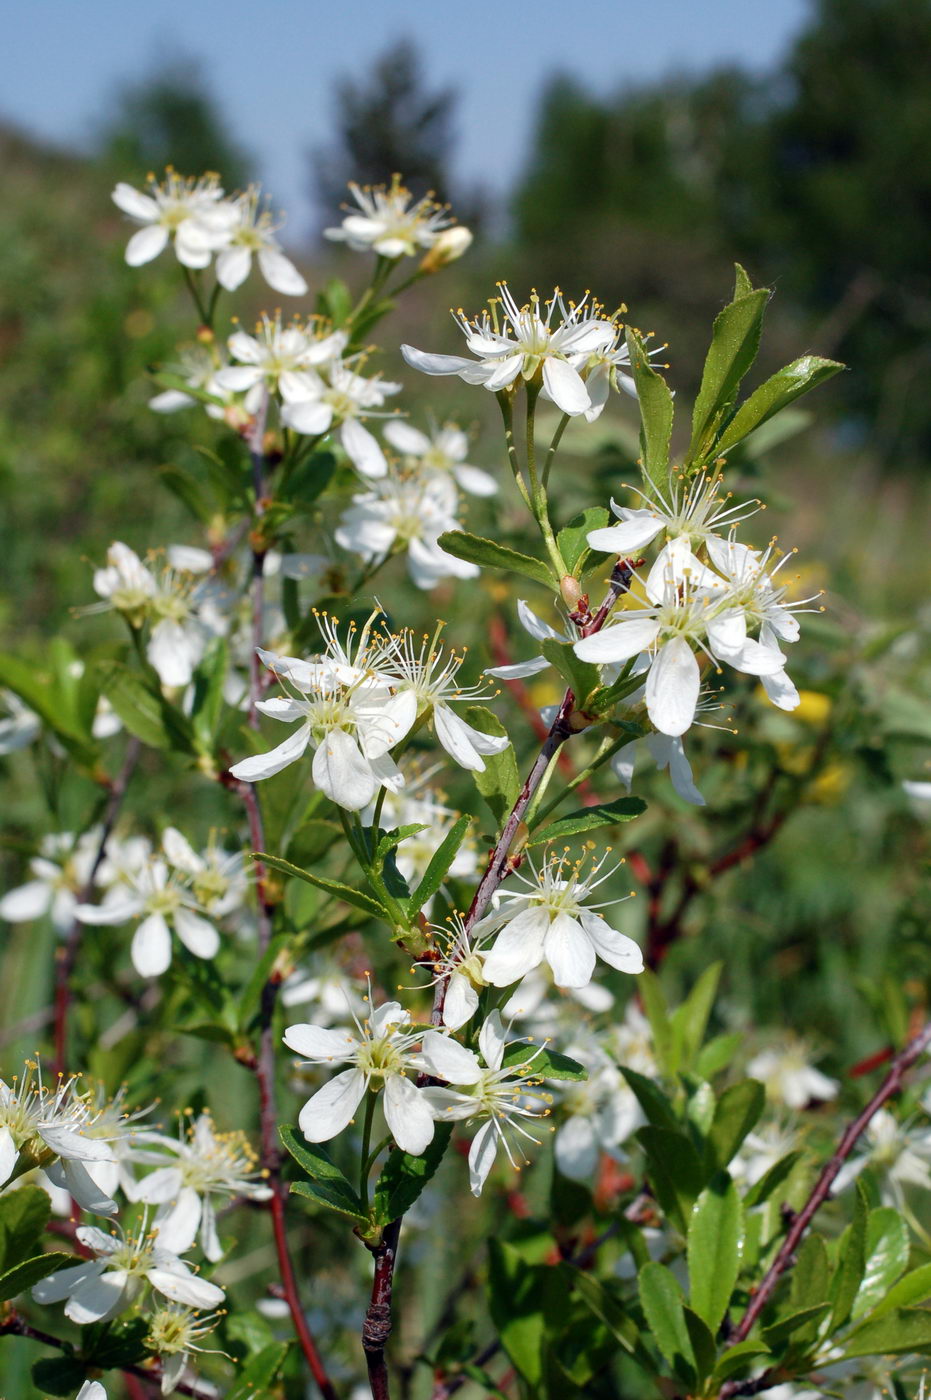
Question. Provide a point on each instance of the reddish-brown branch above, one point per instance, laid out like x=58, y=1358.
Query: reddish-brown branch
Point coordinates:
x=786, y=1256
x=376, y=1327
x=67, y=954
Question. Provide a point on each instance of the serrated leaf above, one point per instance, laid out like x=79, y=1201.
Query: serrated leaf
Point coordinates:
x=403, y=1177
x=572, y=539
x=326, y=1183
x=782, y=1330
x=516, y=1304
x=22, y=1276
x=145, y=712
x=735, y=339
x=775, y=394
x=499, y=784
x=768, y=1182
x=703, y=1344
x=491, y=555
x=851, y=1262
x=674, y=1171
x=811, y=1275
x=715, y=1242
x=542, y=1063
x=689, y=1021
x=610, y=1311
x=733, y=1361
x=737, y=1112
x=897, y=1332
x=257, y=1375
x=624, y=809
x=655, y=1104
x=663, y=1305
x=346, y=893
x=887, y=1251
x=915, y=1287
x=438, y=869
x=656, y=413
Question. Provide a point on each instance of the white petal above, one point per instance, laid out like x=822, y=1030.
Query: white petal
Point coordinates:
x=174, y=650
x=281, y=274
x=151, y=947
x=233, y=267
x=576, y=1148
x=264, y=765
x=56, y=1287
x=474, y=480
x=482, y=1155
x=670, y=753
x=146, y=245
x=781, y=690
x=362, y=449
x=197, y=934
x=29, y=901
x=178, y=1223
x=328, y=1111
x=757, y=660
x=565, y=386
x=435, y=364
x=672, y=687
x=492, y=1040
x=518, y=949
x=134, y=203
x=341, y=771
x=160, y=1186
x=182, y=1287
x=533, y=667
x=408, y=1115
x=612, y=947
x=310, y=417
x=98, y=1298
x=68, y=1143
x=569, y=952
x=179, y=852
x=449, y=1060
x=9, y=1154
x=727, y=634
x=618, y=643
x=461, y=1002
x=116, y=911
x=384, y=720
x=86, y=1191
x=317, y=1043
x=407, y=439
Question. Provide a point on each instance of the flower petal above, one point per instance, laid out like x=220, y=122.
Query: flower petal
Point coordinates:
x=317, y=1043
x=482, y=1155
x=618, y=643
x=340, y=771
x=449, y=1060
x=612, y=947
x=151, y=947
x=146, y=245
x=569, y=952
x=435, y=364
x=672, y=687
x=362, y=449
x=408, y=1115
x=518, y=948
x=565, y=386
x=328, y=1111
x=264, y=765
x=198, y=935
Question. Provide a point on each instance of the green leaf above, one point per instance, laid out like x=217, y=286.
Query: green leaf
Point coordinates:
x=499, y=784
x=690, y=1020
x=491, y=555
x=811, y=1276
x=735, y=1359
x=734, y=342
x=887, y=1251
x=610, y=1311
x=346, y=893
x=656, y=413
x=773, y=395
x=310, y=478
x=897, y=1332
x=913, y=1288
x=59, y=1375
x=652, y=1100
x=438, y=869
x=542, y=1063
x=115, y=1343
x=851, y=1262
x=737, y=1111
x=582, y=677
x=782, y=1330
x=188, y=490
x=22, y=1276
x=251, y=994
x=335, y=301
x=257, y=1375
x=390, y=840
x=624, y=809
x=516, y=1304
x=312, y=840
x=145, y=712
x=166, y=380
x=775, y=1176
x=715, y=1242
x=663, y=1306
x=703, y=1344
x=573, y=538
x=24, y=1214
x=35, y=690
x=207, y=706
x=674, y=1170
x=403, y=1177
x=717, y=1054
x=654, y=1004
x=327, y=1183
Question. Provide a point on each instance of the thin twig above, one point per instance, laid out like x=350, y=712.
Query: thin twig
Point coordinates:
x=822, y=1189
x=376, y=1327
x=67, y=954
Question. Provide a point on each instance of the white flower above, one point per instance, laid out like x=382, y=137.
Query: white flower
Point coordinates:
x=381, y=1058
x=198, y=367
x=192, y=212
x=762, y=1149
x=459, y=965
x=427, y=681
x=105, y=1285
x=21, y=725
x=918, y=793
x=162, y=902
x=630, y=1041
x=218, y=878
x=347, y=714
x=499, y=1095
x=555, y=924
x=788, y=1077
x=901, y=1157
x=541, y=631
x=342, y=398
x=667, y=753
x=208, y=1164
x=514, y=342
x=600, y=1113
x=444, y=450
x=409, y=513
x=60, y=873
x=388, y=223
x=604, y=371
x=693, y=510
x=179, y=636
x=174, y=1332
x=52, y=1126
x=280, y=359
x=91, y=1390
x=330, y=992
x=254, y=233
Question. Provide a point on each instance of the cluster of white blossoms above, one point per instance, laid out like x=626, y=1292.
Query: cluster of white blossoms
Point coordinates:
x=357, y=701
x=388, y=221
x=202, y=223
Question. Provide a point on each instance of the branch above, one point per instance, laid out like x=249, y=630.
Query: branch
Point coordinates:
x=67, y=954
x=822, y=1189
x=376, y=1327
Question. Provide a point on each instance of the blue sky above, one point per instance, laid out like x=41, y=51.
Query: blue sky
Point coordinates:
x=272, y=64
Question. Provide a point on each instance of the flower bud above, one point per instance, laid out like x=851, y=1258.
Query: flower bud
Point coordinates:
x=449, y=247
x=571, y=591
